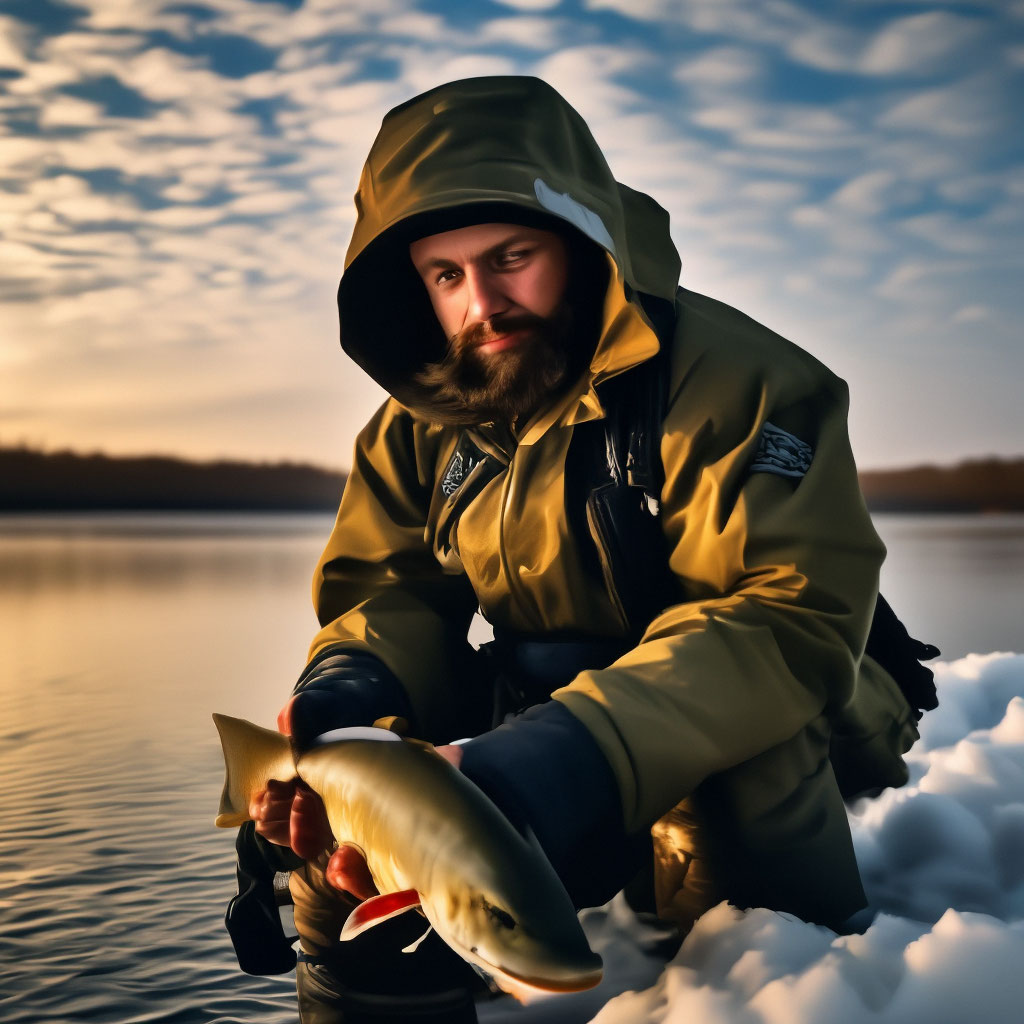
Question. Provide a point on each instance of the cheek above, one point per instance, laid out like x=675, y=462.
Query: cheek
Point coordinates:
x=541, y=292
x=551, y=287
x=448, y=313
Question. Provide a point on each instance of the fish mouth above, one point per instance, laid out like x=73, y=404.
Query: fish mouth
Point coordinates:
x=520, y=983
x=527, y=990
x=554, y=985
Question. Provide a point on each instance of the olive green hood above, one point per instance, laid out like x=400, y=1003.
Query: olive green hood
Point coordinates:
x=482, y=149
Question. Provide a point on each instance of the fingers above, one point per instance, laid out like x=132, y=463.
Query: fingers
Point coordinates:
x=271, y=810
x=273, y=802
x=347, y=870
x=310, y=831
x=284, y=719
x=291, y=814
x=451, y=752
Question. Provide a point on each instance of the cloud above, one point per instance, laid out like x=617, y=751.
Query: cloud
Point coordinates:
x=94, y=207
x=421, y=75
x=949, y=233
x=919, y=43
x=914, y=45
x=972, y=314
x=772, y=23
x=13, y=43
x=787, y=128
x=17, y=153
x=827, y=47
x=774, y=192
x=921, y=282
x=531, y=5
x=126, y=146
x=722, y=65
x=271, y=201
x=587, y=76
x=867, y=193
x=185, y=216
x=528, y=33
x=970, y=108
x=69, y=112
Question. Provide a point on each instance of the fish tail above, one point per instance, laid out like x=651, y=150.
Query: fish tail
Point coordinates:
x=252, y=755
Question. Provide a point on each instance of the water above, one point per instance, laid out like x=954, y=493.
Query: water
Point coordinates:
x=957, y=581
x=119, y=635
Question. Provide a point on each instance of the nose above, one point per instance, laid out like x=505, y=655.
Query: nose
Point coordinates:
x=486, y=298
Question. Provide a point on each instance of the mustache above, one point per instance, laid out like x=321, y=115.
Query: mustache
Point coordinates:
x=487, y=330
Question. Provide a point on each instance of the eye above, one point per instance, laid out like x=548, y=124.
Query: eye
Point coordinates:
x=510, y=257
x=445, y=276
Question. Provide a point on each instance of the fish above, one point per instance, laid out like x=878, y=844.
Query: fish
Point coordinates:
x=432, y=841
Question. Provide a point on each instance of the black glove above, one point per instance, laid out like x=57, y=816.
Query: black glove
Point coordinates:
x=548, y=776
x=252, y=918
x=901, y=655
x=341, y=688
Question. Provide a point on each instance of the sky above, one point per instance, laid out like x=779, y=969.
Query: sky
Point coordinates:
x=176, y=186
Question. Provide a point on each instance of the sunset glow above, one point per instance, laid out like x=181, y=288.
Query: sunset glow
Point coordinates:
x=177, y=182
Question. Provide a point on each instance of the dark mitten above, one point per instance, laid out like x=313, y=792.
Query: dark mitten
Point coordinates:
x=341, y=688
x=548, y=776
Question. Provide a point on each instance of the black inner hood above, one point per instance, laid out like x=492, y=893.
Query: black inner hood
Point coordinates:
x=388, y=326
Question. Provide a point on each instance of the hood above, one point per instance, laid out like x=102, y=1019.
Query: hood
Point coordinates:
x=486, y=149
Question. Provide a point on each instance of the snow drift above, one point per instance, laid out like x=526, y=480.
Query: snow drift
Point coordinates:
x=943, y=865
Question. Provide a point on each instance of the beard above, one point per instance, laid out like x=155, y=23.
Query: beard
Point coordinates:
x=469, y=386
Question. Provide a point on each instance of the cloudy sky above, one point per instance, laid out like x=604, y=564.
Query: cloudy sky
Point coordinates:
x=176, y=182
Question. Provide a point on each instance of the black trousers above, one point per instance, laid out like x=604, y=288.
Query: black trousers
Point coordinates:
x=369, y=980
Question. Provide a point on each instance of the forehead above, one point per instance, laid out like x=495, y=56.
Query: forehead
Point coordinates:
x=474, y=240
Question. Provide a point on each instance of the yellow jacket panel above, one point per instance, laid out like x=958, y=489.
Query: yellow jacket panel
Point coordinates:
x=777, y=574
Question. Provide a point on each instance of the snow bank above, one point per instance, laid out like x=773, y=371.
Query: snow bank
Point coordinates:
x=760, y=967
x=954, y=837
x=943, y=865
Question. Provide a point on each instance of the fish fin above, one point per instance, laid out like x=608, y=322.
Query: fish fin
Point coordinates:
x=252, y=755
x=414, y=945
x=377, y=909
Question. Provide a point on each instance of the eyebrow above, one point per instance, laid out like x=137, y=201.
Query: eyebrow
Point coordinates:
x=439, y=263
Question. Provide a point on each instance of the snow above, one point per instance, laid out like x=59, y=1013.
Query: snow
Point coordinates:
x=943, y=865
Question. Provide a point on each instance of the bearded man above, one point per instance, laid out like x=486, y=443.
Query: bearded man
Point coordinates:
x=679, y=637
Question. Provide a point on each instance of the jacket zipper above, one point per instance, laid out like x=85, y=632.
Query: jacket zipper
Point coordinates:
x=601, y=544
x=519, y=593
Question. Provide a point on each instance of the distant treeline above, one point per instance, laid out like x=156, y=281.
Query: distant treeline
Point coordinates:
x=49, y=481
x=978, y=485
x=31, y=480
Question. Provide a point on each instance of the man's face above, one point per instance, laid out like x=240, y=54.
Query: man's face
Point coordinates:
x=498, y=291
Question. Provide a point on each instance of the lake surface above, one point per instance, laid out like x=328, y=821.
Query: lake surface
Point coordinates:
x=120, y=635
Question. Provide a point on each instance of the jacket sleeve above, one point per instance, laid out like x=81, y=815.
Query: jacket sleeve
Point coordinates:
x=779, y=575
x=378, y=587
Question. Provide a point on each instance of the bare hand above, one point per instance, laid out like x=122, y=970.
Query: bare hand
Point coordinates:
x=291, y=814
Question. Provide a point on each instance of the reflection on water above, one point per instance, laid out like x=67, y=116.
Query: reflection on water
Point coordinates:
x=121, y=634
x=957, y=581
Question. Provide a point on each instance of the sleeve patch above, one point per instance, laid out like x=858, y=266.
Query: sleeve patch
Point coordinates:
x=781, y=452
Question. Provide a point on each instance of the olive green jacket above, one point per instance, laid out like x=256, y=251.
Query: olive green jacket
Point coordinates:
x=778, y=573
